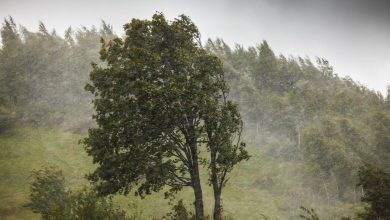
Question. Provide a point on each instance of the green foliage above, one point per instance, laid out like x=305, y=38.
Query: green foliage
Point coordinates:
x=7, y=113
x=381, y=125
x=147, y=106
x=42, y=76
x=327, y=142
x=12, y=81
x=50, y=199
x=87, y=205
x=309, y=214
x=267, y=72
x=48, y=194
x=376, y=185
x=332, y=123
x=179, y=212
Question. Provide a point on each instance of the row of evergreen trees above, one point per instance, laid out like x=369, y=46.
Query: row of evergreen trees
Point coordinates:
x=333, y=123
x=42, y=75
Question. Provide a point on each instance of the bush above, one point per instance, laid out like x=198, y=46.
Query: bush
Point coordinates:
x=87, y=205
x=48, y=194
x=50, y=198
x=179, y=212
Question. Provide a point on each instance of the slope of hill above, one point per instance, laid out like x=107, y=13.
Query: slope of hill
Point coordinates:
x=262, y=186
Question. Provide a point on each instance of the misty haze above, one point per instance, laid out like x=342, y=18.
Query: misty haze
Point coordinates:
x=195, y=110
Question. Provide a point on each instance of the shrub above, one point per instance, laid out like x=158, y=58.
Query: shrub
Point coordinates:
x=48, y=194
x=87, y=205
x=179, y=212
x=53, y=201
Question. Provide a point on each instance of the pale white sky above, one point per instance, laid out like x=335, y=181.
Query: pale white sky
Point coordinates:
x=354, y=35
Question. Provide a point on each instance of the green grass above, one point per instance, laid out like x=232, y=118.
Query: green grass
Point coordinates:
x=262, y=186
x=24, y=150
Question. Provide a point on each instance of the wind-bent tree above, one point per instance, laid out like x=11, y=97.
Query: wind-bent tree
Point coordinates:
x=223, y=126
x=151, y=101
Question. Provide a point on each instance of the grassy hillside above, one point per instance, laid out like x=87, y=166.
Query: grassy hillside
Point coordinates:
x=22, y=151
x=262, y=186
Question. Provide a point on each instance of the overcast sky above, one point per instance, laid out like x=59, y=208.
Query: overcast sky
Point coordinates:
x=354, y=35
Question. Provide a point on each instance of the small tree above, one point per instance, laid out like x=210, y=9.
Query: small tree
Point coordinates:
x=47, y=193
x=376, y=185
x=223, y=126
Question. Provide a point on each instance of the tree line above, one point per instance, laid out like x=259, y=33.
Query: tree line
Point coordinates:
x=42, y=75
x=332, y=123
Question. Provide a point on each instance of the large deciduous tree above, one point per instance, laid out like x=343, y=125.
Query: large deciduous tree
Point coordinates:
x=160, y=100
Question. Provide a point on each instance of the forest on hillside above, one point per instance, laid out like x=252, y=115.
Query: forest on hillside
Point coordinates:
x=307, y=129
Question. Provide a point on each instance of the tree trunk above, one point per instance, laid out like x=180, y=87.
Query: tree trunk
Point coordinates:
x=217, y=205
x=216, y=187
x=195, y=179
x=198, y=197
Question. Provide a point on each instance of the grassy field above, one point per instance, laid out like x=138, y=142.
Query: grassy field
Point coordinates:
x=263, y=186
